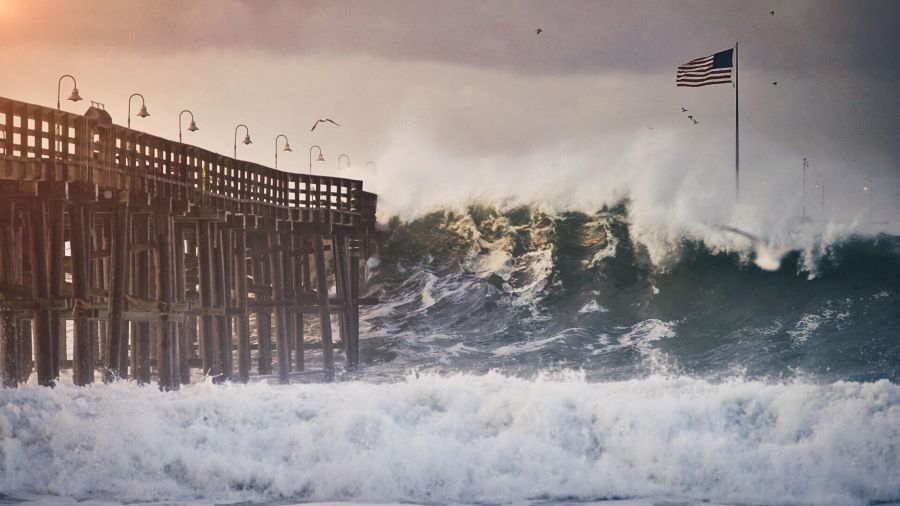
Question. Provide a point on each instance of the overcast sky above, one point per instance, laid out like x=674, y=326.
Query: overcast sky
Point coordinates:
x=465, y=95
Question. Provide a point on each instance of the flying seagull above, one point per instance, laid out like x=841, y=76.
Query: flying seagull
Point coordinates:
x=323, y=120
x=774, y=83
x=683, y=109
x=538, y=31
x=695, y=121
x=771, y=13
x=690, y=116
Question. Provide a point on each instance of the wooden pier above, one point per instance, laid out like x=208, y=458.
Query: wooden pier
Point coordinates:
x=159, y=258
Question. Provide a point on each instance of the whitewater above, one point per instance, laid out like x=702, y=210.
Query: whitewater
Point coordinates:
x=459, y=439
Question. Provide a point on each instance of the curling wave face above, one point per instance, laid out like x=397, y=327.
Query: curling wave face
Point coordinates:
x=481, y=288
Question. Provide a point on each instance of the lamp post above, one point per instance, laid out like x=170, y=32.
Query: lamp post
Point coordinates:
x=320, y=159
x=343, y=155
x=142, y=113
x=372, y=164
x=287, y=147
x=191, y=128
x=74, y=97
x=246, y=140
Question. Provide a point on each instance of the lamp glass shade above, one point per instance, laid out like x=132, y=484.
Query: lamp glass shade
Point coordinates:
x=74, y=97
x=143, y=112
x=287, y=147
x=247, y=139
x=193, y=127
x=321, y=158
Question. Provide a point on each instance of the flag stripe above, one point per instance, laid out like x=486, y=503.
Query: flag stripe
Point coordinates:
x=712, y=69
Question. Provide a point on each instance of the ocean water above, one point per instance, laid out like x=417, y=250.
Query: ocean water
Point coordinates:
x=522, y=358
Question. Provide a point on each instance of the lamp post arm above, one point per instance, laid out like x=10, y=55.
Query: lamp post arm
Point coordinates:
x=235, y=136
x=144, y=103
x=179, y=121
x=59, y=87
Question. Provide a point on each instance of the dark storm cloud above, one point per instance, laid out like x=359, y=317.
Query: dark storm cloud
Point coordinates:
x=579, y=36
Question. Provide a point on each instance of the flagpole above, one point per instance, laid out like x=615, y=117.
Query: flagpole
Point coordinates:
x=737, y=126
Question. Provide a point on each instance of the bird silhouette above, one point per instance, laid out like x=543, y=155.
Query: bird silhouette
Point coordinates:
x=684, y=110
x=771, y=13
x=774, y=83
x=323, y=120
x=690, y=116
x=538, y=31
x=695, y=121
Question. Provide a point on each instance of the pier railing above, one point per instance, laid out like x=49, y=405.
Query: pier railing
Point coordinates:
x=43, y=144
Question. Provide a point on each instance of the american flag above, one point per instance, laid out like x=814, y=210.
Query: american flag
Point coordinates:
x=713, y=69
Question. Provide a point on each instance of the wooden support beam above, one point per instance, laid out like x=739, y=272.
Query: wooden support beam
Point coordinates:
x=56, y=253
x=297, y=280
x=181, y=328
x=9, y=349
x=324, y=315
x=207, y=331
x=263, y=322
x=243, y=320
x=117, y=357
x=41, y=290
x=83, y=366
x=342, y=286
x=167, y=350
x=224, y=275
x=276, y=267
x=141, y=329
x=353, y=344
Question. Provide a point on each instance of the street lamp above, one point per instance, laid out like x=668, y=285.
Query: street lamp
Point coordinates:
x=372, y=164
x=74, y=97
x=320, y=159
x=142, y=113
x=246, y=140
x=287, y=147
x=343, y=155
x=192, y=128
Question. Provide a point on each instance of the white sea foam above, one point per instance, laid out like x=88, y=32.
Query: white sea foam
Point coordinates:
x=457, y=439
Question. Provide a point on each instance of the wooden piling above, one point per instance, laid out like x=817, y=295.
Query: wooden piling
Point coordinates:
x=224, y=275
x=142, y=336
x=167, y=347
x=263, y=321
x=56, y=253
x=41, y=292
x=181, y=328
x=83, y=363
x=300, y=278
x=9, y=349
x=117, y=356
x=276, y=269
x=243, y=318
x=324, y=313
x=207, y=331
x=353, y=344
